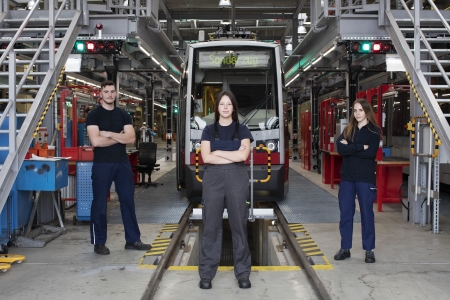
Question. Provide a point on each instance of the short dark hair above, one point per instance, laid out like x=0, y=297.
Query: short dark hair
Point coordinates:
x=107, y=82
x=234, y=114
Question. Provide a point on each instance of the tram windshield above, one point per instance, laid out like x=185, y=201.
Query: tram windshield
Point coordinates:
x=249, y=72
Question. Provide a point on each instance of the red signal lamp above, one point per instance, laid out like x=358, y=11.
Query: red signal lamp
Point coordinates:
x=90, y=46
x=376, y=47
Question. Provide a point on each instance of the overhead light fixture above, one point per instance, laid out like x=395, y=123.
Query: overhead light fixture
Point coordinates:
x=305, y=69
x=157, y=62
x=301, y=20
x=125, y=3
x=31, y=4
x=301, y=29
x=164, y=68
x=289, y=46
x=225, y=3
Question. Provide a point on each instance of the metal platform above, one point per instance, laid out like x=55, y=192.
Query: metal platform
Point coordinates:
x=307, y=203
x=160, y=205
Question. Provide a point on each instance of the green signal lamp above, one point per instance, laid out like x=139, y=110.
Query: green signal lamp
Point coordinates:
x=365, y=47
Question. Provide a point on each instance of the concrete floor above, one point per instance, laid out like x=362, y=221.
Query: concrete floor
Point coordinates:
x=412, y=263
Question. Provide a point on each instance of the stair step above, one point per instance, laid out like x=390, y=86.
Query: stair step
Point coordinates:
x=431, y=62
x=422, y=21
x=27, y=62
x=18, y=115
x=431, y=40
x=4, y=149
x=32, y=20
x=7, y=131
x=33, y=29
x=22, y=73
x=434, y=74
x=25, y=86
x=439, y=86
x=443, y=100
x=27, y=50
x=27, y=39
x=24, y=100
x=447, y=115
x=411, y=29
x=434, y=50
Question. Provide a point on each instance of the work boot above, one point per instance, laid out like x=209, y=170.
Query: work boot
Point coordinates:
x=205, y=284
x=244, y=283
x=342, y=254
x=101, y=249
x=137, y=246
x=370, y=257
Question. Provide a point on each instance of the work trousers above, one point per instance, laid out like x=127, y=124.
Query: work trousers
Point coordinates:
x=103, y=174
x=225, y=186
x=367, y=194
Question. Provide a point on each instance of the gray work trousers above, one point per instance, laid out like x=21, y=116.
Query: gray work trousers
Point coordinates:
x=225, y=186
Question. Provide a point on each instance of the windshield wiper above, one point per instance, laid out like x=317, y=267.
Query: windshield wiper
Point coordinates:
x=258, y=107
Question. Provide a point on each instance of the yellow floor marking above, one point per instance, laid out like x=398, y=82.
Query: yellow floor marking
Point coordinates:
x=231, y=268
x=310, y=247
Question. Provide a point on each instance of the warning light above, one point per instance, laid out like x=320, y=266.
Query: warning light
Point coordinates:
x=97, y=47
x=90, y=46
x=375, y=47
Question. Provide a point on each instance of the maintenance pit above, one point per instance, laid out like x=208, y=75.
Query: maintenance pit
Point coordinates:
x=267, y=243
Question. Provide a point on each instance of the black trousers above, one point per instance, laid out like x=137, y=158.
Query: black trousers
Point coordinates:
x=225, y=186
x=103, y=174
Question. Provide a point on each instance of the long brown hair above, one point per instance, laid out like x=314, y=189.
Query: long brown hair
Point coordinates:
x=234, y=114
x=349, y=131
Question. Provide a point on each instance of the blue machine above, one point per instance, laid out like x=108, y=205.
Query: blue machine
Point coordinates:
x=17, y=209
x=84, y=192
x=43, y=175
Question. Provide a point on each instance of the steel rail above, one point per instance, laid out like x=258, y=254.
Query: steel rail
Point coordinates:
x=318, y=285
x=164, y=263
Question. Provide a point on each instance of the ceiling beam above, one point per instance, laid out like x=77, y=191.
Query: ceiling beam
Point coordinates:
x=163, y=6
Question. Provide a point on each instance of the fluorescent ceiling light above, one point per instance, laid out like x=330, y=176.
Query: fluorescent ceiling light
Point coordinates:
x=317, y=60
x=329, y=51
x=157, y=62
x=173, y=77
x=296, y=76
x=306, y=68
x=145, y=51
x=164, y=68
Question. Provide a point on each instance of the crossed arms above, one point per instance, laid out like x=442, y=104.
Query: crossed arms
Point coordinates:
x=220, y=157
x=107, y=138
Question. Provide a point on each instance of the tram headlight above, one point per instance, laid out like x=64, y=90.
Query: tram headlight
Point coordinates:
x=272, y=145
x=196, y=144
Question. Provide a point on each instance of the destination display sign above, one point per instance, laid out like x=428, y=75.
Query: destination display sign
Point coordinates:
x=229, y=59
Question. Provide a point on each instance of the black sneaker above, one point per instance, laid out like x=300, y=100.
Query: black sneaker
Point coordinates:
x=101, y=249
x=370, y=257
x=138, y=246
x=342, y=254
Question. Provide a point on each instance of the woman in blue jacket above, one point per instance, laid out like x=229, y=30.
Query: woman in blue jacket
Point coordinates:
x=358, y=145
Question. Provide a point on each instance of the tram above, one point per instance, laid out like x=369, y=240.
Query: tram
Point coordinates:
x=252, y=70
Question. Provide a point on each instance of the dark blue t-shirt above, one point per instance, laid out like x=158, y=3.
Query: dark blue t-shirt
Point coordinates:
x=114, y=121
x=226, y=133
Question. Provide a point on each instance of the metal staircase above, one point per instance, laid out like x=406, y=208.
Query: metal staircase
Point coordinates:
x=35, y=45
x=409, y=29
